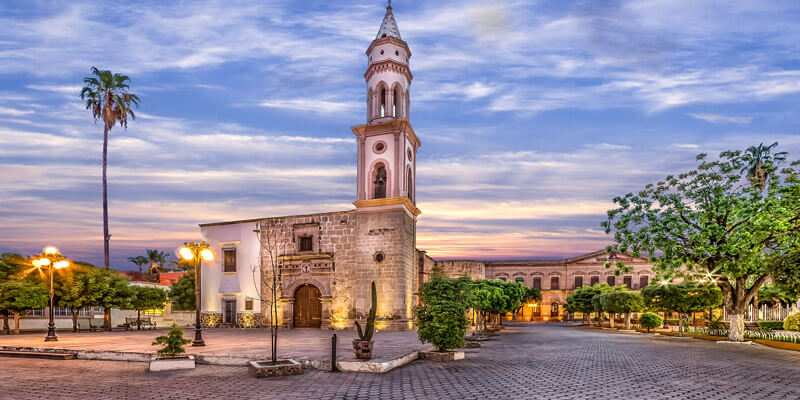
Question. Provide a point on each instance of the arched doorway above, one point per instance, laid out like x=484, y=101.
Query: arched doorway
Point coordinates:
x=307, y=307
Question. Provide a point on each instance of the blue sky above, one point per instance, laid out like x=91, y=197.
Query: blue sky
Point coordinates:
x=532, y=114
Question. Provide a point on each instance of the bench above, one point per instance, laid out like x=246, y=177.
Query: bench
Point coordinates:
x=85, y=324
x=130, y=323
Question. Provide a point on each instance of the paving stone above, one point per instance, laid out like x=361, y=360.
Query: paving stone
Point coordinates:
x=540, y=361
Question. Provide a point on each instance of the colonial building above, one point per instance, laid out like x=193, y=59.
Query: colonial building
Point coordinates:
x=556, y=278
x=328, y=260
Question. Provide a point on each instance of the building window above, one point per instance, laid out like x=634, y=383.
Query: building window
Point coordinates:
x=306, y=243
x=379, y=257
x=611, y=280
x=396, y=102
x=519, y=279
x=229, y=260
x=554, y=282
x=379, y=183
x=410, y=187
x=248, y=304
x=502, y=278
x=383, y=102
x=594, y=280
x=627, y=281
x=537, y=282
x=644, y=281
x=554, y=310
x=578, y=282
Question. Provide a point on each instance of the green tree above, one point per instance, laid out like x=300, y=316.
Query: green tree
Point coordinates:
x=581, y=300
x=77, y=288
x=684, y=298
x=146, y=298
x=111, y=290
x=18, y=297
x=181, y=293
x=597, y=301
x=173, y=342
x=441, y=316
x=156, y=258
x=622, y=302
x=107, y=95
x=140, y=262
x=650, y=320
x=710, y=222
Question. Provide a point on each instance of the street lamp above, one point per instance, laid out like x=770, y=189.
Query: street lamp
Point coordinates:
x=53, y=260
x=197, y=251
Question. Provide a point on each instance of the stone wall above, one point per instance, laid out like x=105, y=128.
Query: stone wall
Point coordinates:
x=455, y=269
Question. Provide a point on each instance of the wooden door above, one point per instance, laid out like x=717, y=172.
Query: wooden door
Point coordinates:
x=230, y=312
x=307, y=307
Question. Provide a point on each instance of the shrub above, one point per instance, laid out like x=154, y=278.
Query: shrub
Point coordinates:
x=173, y=342
x=650, y=320
x=441, y=317
x=792, y=322
x=769, y=326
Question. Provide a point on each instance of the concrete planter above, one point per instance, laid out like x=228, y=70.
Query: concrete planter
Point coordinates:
x=441, y=355
x=265, y=369
x=171, y=363
x=362, y=349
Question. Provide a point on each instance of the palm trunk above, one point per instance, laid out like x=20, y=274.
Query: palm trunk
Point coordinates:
x=105, y=197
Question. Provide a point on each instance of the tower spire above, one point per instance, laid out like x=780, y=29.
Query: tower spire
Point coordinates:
x=389, y=25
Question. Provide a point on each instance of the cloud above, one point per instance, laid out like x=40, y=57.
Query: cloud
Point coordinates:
x=716, y=118
x=312, y=104
x=14, y=112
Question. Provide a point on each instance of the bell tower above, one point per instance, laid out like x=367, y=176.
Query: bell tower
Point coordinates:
x=387, y=145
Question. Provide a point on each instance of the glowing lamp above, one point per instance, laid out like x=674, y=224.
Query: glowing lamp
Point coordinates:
x=207, y=254
x=36, y=263
x=50, y=251
x=665, y=282
x=44, y=262
x=186, y=253
x=61, y=264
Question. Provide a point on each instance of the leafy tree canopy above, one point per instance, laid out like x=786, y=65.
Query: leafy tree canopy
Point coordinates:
x=622, y=302
x=20, y=296
x=683, y=298
x=181, y=294
x=147, y=298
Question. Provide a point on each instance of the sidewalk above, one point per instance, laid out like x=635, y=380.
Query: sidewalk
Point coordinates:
x=226, y=346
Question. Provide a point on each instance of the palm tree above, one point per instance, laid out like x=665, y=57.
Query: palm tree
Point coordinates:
x=157, y=259
x=106, y=94
x=139, y=261
x=758, y=159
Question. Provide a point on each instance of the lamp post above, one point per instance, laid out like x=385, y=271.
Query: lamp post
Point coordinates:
x=51, y=259
x=197, y=251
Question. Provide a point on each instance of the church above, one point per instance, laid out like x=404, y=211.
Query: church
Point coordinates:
x=329, y=260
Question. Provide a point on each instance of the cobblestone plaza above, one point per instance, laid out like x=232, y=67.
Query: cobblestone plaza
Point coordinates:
x=526, y=361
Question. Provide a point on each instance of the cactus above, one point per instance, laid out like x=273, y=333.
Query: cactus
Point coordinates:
x=366, y=334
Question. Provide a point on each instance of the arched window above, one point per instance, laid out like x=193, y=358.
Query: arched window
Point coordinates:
x=410, y=186
x=379, y=184
x=554, y=310
x=369, y=104
x=383, y=102
x=396, y=105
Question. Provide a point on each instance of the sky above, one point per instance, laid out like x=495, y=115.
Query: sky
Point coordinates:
x=533, y=115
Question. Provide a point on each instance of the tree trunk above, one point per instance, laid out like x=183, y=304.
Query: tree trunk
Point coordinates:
x=75, y=319
x=736, y=331
x=627, y=321
x=107, y=319
x=6, y=328
x=138, y=320
x=611, y=319
x=16, y=323
x=105, y=197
